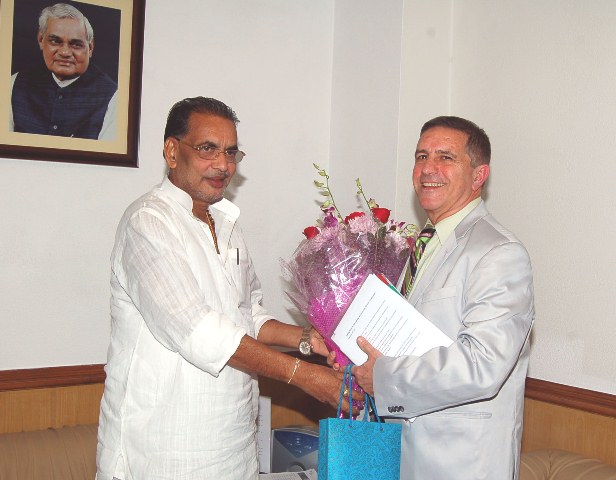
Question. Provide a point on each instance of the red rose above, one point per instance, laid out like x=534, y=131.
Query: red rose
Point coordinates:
x=353, y=215
x=311, y=232
x=381, y=214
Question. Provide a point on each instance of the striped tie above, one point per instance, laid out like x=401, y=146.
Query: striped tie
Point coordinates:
x=420, y=245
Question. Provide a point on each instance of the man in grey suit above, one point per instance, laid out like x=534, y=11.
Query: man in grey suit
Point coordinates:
x=461, y=407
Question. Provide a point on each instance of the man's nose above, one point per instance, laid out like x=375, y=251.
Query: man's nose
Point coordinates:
x=220, y=161
x=428, y=165
x=64, y=50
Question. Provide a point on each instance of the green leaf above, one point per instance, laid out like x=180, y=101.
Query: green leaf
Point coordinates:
x=319, y=184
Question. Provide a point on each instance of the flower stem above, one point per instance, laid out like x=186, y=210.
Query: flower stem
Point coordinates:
x=326, y=191
x=360, y=190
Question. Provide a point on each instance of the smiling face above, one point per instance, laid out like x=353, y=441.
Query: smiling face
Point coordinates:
x=65, y=47
x=443, y=177
x=204, y=180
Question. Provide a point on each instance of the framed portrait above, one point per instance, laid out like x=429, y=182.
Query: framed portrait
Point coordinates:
x=70, y=80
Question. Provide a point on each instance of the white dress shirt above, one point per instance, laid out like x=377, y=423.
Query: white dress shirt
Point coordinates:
x=172, y=409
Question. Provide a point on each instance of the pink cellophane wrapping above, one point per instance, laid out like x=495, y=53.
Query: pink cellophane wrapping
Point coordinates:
x=326, y=271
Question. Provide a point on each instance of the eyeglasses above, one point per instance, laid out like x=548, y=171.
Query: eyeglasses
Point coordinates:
x=211, y=152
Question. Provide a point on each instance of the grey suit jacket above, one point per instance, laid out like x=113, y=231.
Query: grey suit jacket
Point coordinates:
x=468, y=398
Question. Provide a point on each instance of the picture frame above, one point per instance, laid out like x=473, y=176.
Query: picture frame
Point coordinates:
x=37, y=116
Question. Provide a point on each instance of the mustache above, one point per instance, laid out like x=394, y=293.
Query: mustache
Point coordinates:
x=219, y=176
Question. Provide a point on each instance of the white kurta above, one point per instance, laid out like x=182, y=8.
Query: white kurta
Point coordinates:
x=171, y=408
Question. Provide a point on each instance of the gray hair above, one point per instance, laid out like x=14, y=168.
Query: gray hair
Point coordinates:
x=63, y=10
x=478, y=145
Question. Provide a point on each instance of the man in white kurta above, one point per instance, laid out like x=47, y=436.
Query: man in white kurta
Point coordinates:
x=180, y=398
x=167, y=392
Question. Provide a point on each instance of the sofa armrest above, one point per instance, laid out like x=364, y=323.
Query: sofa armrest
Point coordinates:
x=67, y=453
x=562, y=465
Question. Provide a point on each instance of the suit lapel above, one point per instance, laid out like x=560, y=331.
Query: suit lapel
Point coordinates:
x=446, y=250
x=435, y=265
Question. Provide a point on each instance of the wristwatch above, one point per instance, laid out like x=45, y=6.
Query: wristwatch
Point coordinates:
x=304, y=343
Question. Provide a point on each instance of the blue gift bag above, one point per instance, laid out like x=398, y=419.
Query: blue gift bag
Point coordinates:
x=358, y=449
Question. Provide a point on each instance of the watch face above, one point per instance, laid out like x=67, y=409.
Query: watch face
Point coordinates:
x=304, y=348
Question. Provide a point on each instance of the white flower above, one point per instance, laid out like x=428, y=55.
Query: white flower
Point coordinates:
x=363, y=224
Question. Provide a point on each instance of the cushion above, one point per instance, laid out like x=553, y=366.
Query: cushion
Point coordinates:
x=561, y=465
x=68, y=453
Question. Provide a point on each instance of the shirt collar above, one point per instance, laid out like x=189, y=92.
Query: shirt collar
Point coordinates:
x=445, y=227
x=63, y=83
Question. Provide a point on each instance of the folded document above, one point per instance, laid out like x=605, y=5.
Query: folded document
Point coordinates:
x=388, y=321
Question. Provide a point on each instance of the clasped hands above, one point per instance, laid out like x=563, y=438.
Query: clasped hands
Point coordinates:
x=362, y=373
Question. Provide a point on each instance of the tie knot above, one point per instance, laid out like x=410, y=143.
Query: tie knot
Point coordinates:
x=427, y=232
x=424, y=237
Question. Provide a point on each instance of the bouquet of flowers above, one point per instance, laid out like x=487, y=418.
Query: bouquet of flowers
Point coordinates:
x=338, y=253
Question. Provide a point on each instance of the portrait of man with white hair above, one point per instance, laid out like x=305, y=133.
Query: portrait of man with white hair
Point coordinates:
x=64, y=93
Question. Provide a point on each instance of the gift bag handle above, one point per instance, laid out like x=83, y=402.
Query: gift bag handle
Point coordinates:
x=369, y=401
x=347, y=376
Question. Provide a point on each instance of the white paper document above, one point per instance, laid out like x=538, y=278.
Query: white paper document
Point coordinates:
x=391, y=324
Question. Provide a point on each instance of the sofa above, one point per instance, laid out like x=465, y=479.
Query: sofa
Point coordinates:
x=562, y=465
x=69, y=453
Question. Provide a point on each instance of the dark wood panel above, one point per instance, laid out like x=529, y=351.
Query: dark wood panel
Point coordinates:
x=54, y=407
x=291, y=406
x=551, y=426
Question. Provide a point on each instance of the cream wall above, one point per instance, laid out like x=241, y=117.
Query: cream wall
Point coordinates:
x=365, y=101
x=346, y=84
x=270, y=60
x=539, y=77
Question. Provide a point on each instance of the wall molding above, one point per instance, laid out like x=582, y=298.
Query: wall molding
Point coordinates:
x=572, y=397
x=49, y=377
x=536, y=389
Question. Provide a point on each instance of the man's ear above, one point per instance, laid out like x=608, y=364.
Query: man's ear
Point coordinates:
x=480, y=175
x=169, y=151
x=91, y=48
x=39, y=38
